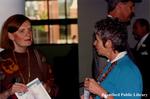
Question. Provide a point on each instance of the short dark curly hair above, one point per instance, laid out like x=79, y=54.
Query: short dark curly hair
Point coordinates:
x=109, y=29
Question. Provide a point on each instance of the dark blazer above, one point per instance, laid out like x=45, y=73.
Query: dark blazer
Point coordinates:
x=142, y=58
x=144, y=52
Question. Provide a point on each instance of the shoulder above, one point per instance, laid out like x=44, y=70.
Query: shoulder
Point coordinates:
x=126, y=76
x=124, y=71
x=38, y=54
x=34, y=50
x=6, y=53
x=128, y=70
x=128, y=66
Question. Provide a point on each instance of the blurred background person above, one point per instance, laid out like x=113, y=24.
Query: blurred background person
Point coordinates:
x=122, y=10
x=141, y=52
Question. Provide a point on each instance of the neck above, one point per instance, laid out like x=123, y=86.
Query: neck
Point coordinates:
x=20, y=50
x=113, y=55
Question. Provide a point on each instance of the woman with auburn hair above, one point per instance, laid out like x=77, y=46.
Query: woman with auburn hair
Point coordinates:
x=20, y=62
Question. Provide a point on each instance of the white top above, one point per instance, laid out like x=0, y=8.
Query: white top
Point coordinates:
x=119, y=56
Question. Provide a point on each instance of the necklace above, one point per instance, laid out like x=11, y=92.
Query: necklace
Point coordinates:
x=101, y=72
x=106, y=73
x=28, y=63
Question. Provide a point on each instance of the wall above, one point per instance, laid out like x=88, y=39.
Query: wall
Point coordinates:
x=10, y=7
x=89, y=12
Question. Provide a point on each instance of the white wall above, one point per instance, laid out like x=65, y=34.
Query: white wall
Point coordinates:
x=10, y=7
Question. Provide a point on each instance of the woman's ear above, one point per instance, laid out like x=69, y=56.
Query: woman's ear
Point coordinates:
x=11, y=36
x=108, y=44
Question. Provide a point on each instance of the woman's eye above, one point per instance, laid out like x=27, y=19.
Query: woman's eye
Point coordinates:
x=21, y=31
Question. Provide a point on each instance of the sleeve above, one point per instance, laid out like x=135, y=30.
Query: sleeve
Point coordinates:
x=48, y=76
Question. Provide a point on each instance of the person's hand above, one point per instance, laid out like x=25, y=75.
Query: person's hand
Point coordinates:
x=94, y=87
x=18, y=87
x=82, y=97
x=91, y=85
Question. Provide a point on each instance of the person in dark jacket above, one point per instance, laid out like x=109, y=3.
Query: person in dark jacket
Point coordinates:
x=141, y=52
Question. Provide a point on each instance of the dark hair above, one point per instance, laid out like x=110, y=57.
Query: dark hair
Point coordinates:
x=112, y=3
x=11, y=25
x=109, y=29
x=144, y=22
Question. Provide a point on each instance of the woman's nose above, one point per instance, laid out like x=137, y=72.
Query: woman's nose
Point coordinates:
x=94, y=43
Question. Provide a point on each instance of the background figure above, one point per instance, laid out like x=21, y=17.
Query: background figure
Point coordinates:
x=20, y=62
x=141, y=52
x=121, y=11
x=121, y=75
